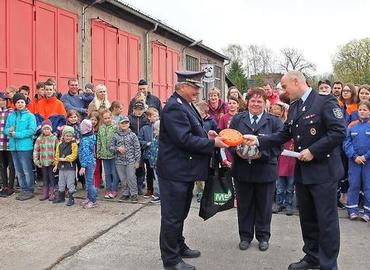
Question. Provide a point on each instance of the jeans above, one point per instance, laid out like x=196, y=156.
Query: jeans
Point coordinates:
x=24, y=169
x=111, y=176
x=90, y=187
x=6, y=162
x=285, y=191
x=156, y=191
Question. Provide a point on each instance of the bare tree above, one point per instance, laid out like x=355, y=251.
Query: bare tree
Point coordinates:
x=259, y=59
x=293, y=59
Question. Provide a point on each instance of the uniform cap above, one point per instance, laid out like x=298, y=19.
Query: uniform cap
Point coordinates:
x=192, y=77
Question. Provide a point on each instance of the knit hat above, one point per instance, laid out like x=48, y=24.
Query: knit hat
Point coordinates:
x=3, y=95
x=89, y=86
x=46, y=123
x=142, y=82
x=18, y=96
x=68, y=129
x=86, y=126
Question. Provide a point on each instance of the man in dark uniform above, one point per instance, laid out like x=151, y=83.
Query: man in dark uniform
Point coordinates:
x=316, y=124
x=183, y=158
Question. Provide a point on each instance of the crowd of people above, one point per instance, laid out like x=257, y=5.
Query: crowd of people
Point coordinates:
x=81, y=136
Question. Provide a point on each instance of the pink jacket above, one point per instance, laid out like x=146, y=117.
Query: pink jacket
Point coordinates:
x=286, y=164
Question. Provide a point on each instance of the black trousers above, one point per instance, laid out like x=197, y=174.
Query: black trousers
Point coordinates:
x=6, y=162
x=175, y=204
x=318, y=216
x=254, y=210
x=48, y=178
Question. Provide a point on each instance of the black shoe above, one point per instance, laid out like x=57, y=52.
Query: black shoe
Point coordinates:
x=263, y=245
x=277, y=208
x=180, y=266
x=190, y=253
x=124, y=198
x=244, y=245
x=60, y=198
x=289, y=212
x=134, y=199
x=303, y=265
x=20, y=196
x=26, y=196
x=4, y=193
x=71, y=199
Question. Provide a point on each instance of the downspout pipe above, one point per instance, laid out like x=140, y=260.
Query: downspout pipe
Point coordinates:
x=147, y=50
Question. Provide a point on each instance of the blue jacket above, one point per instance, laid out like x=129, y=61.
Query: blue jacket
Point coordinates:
x=145, y=139
x=86, y=150
x=184, y=148
x=357, y=142
x=77, y=102
x=24, y=124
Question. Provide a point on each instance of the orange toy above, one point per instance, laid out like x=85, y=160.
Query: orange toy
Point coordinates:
x=232, y=137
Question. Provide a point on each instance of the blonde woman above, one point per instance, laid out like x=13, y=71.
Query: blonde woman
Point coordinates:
x=100, y=102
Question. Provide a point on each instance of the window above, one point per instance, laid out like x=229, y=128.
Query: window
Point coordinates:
x=192, y=63
x=218, y=75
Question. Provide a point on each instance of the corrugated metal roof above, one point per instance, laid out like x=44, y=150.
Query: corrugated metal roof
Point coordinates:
x=136, y=12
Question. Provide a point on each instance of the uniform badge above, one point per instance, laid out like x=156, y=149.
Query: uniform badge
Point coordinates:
x=179, y=100
x=338, y=113
x=313, y=131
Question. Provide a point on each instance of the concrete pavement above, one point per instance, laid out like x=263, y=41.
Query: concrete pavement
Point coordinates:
x=39, y=235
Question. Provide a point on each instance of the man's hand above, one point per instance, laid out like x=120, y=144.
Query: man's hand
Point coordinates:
x=305, y=155
x=250, y=139
x=360, y=160
x=212, y=134
x=219, y=142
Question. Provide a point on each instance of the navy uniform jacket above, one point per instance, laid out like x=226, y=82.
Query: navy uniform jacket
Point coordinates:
x=264, y=169
x=184, y=148
x=319, y=126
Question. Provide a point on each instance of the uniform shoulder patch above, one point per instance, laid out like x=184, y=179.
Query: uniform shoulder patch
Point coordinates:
x=338, y=113
x=179, y=100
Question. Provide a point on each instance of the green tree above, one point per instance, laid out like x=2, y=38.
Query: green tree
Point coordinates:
x=352, y=62
x=237, y=75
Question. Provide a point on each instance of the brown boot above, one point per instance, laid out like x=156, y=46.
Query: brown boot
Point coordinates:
x=45, y=193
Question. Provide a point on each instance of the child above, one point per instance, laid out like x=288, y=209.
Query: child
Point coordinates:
x=20, y=128
x=116, y=109
x=25, y=91
x=138, y=119
x=126, y=147
x=65, y=161
x=6, y=162
x=94, y=117
x=73, y=120
x=86, y=157
x=145, y=138
x=43, y=157
x=153, y=154
x=88, y=94
x=105, y=136
x=233, y=105
x=357, y=148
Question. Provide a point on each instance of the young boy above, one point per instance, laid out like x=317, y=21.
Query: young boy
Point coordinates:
x=138, y=119
x=65, y=160
x=6, y=162
x=20, y=128
x=25, y=91
x=153, y=155
x=145, y=137
x=126, y=147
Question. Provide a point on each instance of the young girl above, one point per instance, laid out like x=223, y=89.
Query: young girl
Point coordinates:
x=153, y=155
x=20, y=128
x=126, y=147
x=65, y=161
x=43, y=157
x=87, y=160
x=357, y=148
x=116, y=109
x=73, y=120
x=94, y=117
x=105, y=136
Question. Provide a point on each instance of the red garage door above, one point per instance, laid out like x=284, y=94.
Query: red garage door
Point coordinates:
x=115, y=61
x=40, y=45
x=165, y=61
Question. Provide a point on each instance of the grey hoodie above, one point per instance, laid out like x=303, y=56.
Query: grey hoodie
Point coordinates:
x=129, y=140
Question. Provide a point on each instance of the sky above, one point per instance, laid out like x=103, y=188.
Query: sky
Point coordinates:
x=316, y=27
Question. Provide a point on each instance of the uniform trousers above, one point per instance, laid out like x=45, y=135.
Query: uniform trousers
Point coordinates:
x=318, y=216
x=254, y=209
x=175, y=204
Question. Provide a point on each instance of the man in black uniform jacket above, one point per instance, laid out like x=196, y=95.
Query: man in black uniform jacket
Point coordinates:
x=316, y=124
x=183, y=158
